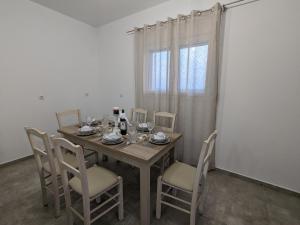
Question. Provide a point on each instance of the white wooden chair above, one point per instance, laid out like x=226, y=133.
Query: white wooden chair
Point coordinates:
x=191, y=180
x=76, y=116
x=47, y=165
x=139, y=115
x=165, y=115
x=89, y=183
x=62, y=116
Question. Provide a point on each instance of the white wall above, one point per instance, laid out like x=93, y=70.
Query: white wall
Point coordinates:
x=44, y=53
x=259, y=110
x=259, y=117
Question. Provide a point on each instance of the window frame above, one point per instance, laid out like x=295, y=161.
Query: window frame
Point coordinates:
x=148, y=88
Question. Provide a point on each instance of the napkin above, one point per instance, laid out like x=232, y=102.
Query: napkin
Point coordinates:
x=111, y=136
x=160, y=136
x=143, y=125
x=85, y=129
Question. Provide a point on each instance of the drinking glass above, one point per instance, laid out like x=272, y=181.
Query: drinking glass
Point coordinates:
x=105, y=120
x=132, y=134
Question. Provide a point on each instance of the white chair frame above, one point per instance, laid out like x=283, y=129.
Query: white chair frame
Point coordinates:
x=77, y=114
x=166, y=158
x=70, y=112
x=198, y=194
x=165, y=115
x=81, y=173
x=137, y=113
x=49, y=181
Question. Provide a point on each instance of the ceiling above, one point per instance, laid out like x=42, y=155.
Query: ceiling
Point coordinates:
x=98, y=12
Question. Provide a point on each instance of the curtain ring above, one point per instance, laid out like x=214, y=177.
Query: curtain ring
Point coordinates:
x=180, y=16
x=194, y=12
x=146, y=26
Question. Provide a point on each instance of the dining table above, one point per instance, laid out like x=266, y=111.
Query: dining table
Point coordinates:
x=142, y=155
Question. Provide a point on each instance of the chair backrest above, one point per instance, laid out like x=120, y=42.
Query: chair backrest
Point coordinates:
x=165, y=115
x=139, y=115
x=62, y=144
x=204, y=159
x=41, y=148
x=75, y=113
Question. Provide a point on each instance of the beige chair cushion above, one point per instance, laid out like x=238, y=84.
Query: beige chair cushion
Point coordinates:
x=98, y=180
x=68, y=157
x=180, y=175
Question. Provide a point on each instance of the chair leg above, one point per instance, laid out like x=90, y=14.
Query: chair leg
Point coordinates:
x=158, y=197
x=68, y=205
x=86, y=210
x=174, y=192
x=193, y=215
x=44, y=191
x=104, y=158
x=92, y=154
x=203, y=195
x=121, y=207
x=97, y=158
x=98, y=200
x=56, y=195
x=171, y=156
x=201, y=208
x=162, y=166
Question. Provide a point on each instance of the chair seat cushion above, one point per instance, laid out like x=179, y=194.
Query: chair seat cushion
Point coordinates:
x=180, y=175
x=68, y=157
x=98, y=180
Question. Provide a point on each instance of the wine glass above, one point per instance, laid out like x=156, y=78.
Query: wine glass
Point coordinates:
x=150, y=126
x=89, y=120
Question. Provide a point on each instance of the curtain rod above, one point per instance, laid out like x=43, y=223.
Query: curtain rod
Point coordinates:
x=238, y=3
x=229, y=5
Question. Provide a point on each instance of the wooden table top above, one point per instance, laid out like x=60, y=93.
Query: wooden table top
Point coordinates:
x=142, y=150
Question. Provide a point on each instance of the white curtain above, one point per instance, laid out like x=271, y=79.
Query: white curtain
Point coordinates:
x=176, y=70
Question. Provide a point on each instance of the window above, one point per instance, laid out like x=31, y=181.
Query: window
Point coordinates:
x=160, y=64
x=192, y=69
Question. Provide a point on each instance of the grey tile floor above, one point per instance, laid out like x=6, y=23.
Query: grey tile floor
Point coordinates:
x=231, y=201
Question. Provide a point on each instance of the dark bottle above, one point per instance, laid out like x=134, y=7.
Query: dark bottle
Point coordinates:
x=123, y=123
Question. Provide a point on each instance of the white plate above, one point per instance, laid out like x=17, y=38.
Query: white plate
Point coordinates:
x=86, y=133
x=164, y=142
x=112, y=142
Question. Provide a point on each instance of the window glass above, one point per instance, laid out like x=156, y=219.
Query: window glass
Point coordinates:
x=192, y=68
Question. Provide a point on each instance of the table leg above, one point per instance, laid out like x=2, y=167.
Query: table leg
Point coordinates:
x=104, y=158
x=145, y=195
x=172, y=156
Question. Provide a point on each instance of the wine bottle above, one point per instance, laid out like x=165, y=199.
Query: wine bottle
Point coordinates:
x=123, y=123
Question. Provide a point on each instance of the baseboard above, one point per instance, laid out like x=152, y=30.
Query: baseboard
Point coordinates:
x=272, y=186
x=15, y=161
